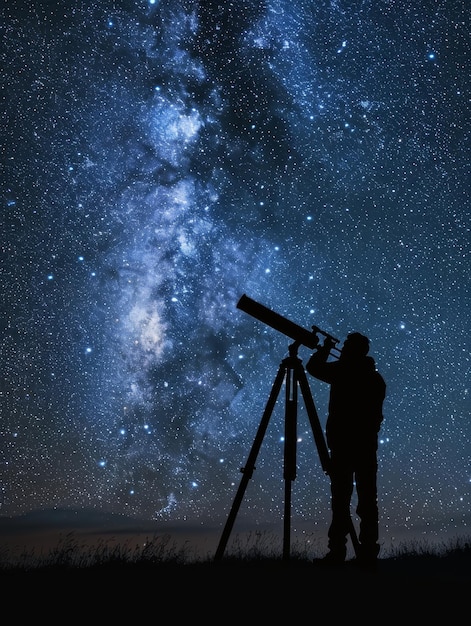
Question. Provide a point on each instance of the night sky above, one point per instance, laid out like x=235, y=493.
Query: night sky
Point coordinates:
x=160, y=160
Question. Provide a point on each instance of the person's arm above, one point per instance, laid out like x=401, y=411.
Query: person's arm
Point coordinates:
x=317, y=365
x=380, y=396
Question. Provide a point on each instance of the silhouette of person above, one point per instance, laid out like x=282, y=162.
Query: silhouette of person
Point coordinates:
x=355, y=414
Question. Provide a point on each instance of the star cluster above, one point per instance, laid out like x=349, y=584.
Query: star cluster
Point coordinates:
x=163, y=158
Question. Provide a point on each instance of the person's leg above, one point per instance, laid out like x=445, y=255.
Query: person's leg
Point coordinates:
x=367, y=508
x=341, y=476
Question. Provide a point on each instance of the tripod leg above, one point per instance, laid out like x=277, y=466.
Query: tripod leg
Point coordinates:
x=289, y=472
x=314, y=420
x=354, y=538
x=247, y=471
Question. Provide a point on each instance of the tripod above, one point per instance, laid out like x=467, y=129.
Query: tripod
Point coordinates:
x=292, y=371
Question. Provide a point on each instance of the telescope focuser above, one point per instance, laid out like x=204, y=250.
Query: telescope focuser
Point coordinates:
x=316, y=330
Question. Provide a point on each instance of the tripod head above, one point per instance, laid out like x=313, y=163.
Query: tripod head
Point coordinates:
x=302, y=336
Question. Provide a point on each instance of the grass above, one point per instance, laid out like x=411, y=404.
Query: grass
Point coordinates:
x=119, y=582
x=258, y=548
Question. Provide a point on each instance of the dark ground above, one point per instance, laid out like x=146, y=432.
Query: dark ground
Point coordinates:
x=408, y=588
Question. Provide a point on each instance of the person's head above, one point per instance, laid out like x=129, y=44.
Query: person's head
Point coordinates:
x=355, y=346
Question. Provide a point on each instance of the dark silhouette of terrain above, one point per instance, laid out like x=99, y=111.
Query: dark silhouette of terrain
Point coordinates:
x=160, y=579
x=431, y=580
x=403, y=589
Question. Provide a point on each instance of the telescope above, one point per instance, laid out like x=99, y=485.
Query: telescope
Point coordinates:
x=300, y=335
x=291, y=372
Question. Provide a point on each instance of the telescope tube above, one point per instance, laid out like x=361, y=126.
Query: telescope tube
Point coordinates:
x=278, y=322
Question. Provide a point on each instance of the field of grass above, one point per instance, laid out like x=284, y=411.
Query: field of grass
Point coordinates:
x=251, y=582
x=256, y=550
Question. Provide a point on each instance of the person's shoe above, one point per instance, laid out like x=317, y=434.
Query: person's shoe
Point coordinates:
x=332, y=559
x=367, y=563
x=367, y=557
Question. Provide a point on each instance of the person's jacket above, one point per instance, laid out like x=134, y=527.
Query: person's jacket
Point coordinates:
x=357, y=392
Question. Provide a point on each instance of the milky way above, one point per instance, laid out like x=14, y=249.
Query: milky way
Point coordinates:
x=163, y=158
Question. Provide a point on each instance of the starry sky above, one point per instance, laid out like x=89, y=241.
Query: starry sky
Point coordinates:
x=163, y=158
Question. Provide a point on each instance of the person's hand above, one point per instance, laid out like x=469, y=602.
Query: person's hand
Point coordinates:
x=329, y=343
